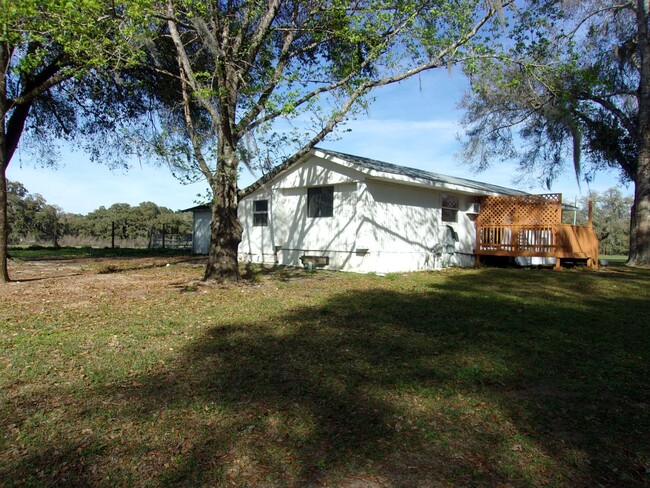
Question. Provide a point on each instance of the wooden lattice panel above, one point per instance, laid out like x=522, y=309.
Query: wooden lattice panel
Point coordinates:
x=521, y=210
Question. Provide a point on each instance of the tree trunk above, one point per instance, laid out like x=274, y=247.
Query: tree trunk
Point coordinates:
x=225, y=229
x=4, y=162
x=640, y=221
x=4, y=216
x=4, y=227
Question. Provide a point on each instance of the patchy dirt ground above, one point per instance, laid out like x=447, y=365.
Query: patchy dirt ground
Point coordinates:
x=72, y=279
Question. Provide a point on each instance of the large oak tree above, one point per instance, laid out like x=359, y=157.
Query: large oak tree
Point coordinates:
x=51, y=54
x=259, y=82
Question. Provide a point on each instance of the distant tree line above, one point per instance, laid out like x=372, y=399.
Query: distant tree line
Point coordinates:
x=34, y=221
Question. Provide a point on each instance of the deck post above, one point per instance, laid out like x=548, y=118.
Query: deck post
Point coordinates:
x=478, y=243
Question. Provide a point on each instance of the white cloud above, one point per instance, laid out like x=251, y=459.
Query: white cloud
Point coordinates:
x=402, y=127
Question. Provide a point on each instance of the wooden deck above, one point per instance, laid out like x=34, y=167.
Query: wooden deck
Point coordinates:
x=531, y=226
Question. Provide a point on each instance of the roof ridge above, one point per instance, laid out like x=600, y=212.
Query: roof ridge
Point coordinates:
x=381, y=166
x=424, y=174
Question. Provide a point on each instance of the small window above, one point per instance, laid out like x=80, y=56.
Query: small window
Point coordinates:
x=320, y=201
x=260, y=212
x=449, y=208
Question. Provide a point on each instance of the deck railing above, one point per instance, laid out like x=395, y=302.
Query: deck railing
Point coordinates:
x=559, y=241
x=517, y=238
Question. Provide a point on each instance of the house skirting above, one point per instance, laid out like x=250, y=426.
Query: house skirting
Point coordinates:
x=364, y=261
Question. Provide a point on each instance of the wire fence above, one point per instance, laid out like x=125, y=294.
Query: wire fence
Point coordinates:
x=121, y=236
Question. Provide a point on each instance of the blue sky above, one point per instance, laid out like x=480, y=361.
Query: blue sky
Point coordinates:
x=413, y=124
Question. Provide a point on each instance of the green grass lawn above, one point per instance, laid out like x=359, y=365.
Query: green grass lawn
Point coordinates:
x=614, y=258
x=488, y=377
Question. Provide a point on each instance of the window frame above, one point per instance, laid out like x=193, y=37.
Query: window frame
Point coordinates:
x=317, y=206
x=260, y=217
x=446, y=210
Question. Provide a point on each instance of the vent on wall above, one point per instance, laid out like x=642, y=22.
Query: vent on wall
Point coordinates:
x=315, y=261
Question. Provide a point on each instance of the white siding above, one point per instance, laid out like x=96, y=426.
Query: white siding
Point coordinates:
x=291, y=231
x=258, y=242
x=316, y=172
x=402, y=229
x=398, y=225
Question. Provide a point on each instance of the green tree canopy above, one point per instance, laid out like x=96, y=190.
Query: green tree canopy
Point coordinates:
x=132, y=222
x=31, y=217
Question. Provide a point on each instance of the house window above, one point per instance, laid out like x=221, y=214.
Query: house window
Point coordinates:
x=449, y=208
x=260, y=212
x=320, y=201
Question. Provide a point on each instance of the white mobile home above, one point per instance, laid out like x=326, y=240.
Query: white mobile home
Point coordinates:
x=351, y=213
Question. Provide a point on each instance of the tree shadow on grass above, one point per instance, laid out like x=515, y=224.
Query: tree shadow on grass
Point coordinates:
x=371, y=383
x=466, y=384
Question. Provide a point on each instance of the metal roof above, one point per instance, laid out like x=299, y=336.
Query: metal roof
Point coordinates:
x=419, y=174
x=377, y=166
x=374, y=168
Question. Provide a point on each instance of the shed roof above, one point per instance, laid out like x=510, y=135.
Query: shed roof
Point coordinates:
x=197, y=208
